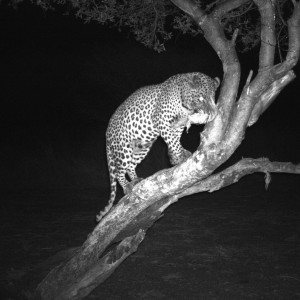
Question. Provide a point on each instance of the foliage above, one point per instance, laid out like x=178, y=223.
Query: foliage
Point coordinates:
x=154, y=22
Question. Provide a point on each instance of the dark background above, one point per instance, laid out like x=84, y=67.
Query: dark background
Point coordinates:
x=61, y=80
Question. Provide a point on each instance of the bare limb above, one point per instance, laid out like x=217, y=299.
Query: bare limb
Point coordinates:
x=234, y=173
x=272, y=81
x=294, y=36
x=155, y=23
x=268, y=38
x=269, y=96
x=101, y=269
x=268, y=82
x=234, y=36
x=76, y=277
x=249, y=78
x=191, y=9
x=224, y=7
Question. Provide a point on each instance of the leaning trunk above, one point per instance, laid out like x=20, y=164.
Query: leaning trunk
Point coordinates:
x=123, y=228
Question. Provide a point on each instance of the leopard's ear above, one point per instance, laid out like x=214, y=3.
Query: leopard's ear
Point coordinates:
x=217, y=82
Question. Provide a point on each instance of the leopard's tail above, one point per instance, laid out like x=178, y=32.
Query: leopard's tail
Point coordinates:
x=113, y=185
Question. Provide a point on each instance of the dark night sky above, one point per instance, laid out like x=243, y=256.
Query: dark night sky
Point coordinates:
x=61, y=81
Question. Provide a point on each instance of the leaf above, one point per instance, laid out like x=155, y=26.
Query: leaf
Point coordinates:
x=267, y=180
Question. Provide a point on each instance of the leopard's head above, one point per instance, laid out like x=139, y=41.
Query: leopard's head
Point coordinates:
x=198, y=95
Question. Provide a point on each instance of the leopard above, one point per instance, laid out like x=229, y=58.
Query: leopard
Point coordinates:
x=164, y=110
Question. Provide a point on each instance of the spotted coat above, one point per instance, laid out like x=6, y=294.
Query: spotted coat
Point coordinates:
x=152, y=111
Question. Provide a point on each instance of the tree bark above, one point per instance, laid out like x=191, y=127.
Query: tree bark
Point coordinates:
x=121, y=231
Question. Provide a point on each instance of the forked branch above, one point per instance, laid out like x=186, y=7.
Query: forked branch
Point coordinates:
x=274, y=79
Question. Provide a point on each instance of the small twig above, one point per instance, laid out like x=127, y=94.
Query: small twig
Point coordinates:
x=291, y=277
x=249, y=78
x=155, y=23
x=234, y=36
x=209, y=6
x=238, y=14
x=279, y=14
x=246, y=86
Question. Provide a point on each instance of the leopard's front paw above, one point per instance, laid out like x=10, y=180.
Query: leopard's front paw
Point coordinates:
x=175, y=160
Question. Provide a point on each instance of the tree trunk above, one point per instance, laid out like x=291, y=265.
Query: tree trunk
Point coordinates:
x=121, y=231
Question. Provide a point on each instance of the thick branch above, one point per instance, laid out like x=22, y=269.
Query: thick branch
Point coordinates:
x=266, y=85
x=191, y=8
x=234, y=173
x=269, y=96
x=226, y=6
x=258, y=90
x=294, y=36
x=267, y=36
x=93, y=276
x=78, y=276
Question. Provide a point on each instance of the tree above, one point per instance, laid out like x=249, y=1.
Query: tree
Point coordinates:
x=154, y=22
x=121, y=231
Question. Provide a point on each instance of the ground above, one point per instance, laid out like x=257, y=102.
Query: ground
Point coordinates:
x=238, y=243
